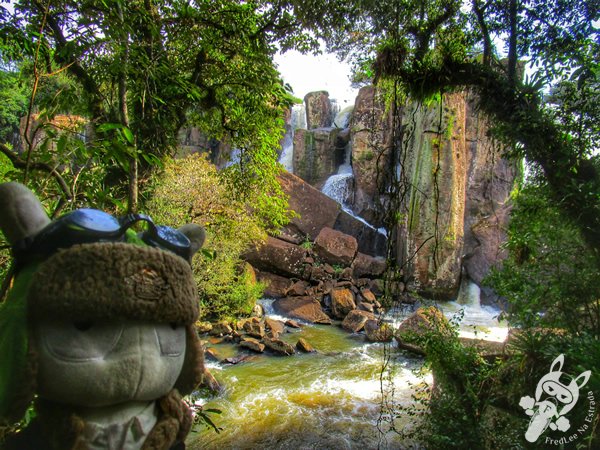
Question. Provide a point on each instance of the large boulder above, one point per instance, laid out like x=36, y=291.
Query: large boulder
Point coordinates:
x=278, y=257
x=319, y=111
x=342, y=302
x=371, y=240
x=377, y=331
x=335, y=247
x=315, y=210
x=276, y=285
x=356, y=319
x=307, y=309
x=366, y=266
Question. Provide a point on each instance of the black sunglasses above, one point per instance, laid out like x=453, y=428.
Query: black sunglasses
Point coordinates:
x=86, y=226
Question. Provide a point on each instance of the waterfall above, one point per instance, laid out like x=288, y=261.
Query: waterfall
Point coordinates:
x=297, y=120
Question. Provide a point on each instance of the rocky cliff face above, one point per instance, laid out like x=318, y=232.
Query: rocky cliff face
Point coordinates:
x=451, y=190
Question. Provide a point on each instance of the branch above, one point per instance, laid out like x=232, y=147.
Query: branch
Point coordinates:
x=35, y=165
x=66, y=58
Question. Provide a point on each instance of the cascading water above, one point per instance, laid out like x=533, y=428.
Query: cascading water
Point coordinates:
x=297, y=121
x=340, y=188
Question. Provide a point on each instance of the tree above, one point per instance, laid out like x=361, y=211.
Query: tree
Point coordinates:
x=145, y=68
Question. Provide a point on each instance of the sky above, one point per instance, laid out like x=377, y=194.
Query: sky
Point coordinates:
x=307, y=73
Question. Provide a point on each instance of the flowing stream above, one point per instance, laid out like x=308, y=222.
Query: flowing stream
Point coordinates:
x=330, y=399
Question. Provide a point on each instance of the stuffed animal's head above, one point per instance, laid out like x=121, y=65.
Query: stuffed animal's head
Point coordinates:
x=97, y=315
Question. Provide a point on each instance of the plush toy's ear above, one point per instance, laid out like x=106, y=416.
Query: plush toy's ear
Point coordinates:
x=22, y=213
x=196, y=235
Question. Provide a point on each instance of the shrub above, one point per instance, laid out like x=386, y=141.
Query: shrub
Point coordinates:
x=191, y=190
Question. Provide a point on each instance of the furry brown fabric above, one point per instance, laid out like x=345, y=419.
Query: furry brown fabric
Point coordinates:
x=114, y=280
x=193, y=364
x=174, y=425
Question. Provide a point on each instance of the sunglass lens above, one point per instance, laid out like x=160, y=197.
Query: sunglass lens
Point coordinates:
x=93, y=220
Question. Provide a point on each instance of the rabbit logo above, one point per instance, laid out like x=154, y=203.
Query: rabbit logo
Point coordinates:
x=553, y=399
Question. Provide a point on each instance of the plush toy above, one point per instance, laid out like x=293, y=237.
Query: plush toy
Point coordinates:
x=97, y=329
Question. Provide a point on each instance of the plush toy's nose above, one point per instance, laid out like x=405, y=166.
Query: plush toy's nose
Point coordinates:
x=99, y=364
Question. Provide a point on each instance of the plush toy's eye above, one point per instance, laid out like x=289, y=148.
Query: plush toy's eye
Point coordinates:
x=83, y=325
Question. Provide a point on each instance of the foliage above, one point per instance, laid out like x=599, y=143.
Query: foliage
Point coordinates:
x=550, y=276
x=153, y=67
x=13, y=106
x=191, y=190
x=451, y=409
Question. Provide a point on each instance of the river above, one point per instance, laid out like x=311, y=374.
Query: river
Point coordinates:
x=330, y=399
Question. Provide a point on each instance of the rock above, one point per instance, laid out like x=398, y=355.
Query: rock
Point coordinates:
x=368, y=266
x=278, y=346
x=304, y=346
x=487, y=349
x=378, y=332
x=371, y=241
x=334, y=247
x=342, y=302
x=303, y=308
x=257, y=311
x=315, y=210
x=203, y=327
x=370, y=132
x=355, y=320
x=422, y=321
x=254, y=329
x=212, y=354
x=346, y=274
x=367, y=295
x=252, y=344
x=377, y=286
x=297, y=289
x=210, y=382
x=276, y=284
x=317, y=155
x=275, y=326
x=221, y=328
x=319, y=112
x=319, y=274
x=278, y=257
x=238, y=359
x=365, y=306
x=292, y=324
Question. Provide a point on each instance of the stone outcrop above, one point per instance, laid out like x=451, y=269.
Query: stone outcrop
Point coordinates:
x=370, y=135
x=454, y=204
x=315, y=209
x=455, y=201
x=319, y=111
x=317, y=154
